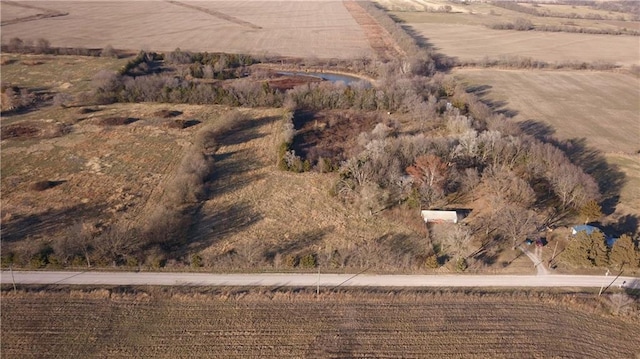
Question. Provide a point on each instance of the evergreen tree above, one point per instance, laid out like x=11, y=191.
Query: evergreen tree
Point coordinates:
x=577, y=252
x=624, y=252
x=590, y=211
x=598, y=250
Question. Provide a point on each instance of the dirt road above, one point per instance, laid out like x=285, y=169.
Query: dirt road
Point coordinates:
x=312, y=280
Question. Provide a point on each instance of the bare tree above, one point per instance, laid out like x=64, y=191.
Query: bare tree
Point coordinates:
x=572, y=186
x=517, y=223
x=505, y=187
x=454, y=239
x=116, y=243
x=79, y=240
x=429, y=170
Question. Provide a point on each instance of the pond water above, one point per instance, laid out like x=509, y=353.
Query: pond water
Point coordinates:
x=329, y=76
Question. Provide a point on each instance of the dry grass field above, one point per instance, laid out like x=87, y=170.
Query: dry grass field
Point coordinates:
x=255, y=206
x=102, y=172
x=356, y=324
x=55, y=73
x=310, y=29
x=602, y=107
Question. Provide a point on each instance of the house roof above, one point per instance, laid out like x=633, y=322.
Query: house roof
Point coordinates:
x=584, y=228
x=439, y=216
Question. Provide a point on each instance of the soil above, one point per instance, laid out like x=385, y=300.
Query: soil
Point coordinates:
x=20, y=132
x=283, y=82
x=308, y=29
x=239, y=323
x=379, y=39
x=117, y=121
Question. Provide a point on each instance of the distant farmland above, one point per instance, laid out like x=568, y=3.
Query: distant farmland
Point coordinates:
x=472, y=42
x=601, y=106
x=311, y=29
x=241, y=324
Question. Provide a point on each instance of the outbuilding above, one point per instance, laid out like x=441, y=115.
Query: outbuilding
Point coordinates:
x=443, y=216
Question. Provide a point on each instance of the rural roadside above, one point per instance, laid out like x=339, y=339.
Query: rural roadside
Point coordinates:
x=313, y=279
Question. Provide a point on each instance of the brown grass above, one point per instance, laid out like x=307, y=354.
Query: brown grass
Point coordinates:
x=255, y=209
x=112, y=169
x=70, y=74
x=322, y=29
x=235, y=323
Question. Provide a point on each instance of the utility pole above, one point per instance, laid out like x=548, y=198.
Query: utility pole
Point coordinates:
x=602, y=287
x=318, y=284
x=12, y=278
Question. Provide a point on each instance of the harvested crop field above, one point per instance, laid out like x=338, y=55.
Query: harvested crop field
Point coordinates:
x=600, y=106
x=475, y=42
x=310, y=29
x=241, y=324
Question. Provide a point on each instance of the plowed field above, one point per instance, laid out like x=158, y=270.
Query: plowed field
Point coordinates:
x=287, y=325
x=321, y=29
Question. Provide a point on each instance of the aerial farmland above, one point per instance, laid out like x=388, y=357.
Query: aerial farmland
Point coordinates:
x=311, y=137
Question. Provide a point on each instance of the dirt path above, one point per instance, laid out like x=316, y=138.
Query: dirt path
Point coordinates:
x=217, y=14
x=536, y=259
x=379, y=38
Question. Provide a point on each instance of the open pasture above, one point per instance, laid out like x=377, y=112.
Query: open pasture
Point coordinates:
x=101, y=163
x=310, y=29
x=54, y=73
x=241, y=324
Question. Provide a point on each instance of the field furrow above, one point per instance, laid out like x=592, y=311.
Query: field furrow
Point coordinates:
x=300, y=326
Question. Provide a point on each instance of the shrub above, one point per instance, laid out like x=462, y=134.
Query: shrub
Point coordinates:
x=108, y=51
x=290, y=261
x=196, y=261
x=308, y=261
x=521, y=24
x=432, y=262
x=117, y=121
x=461, y=265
